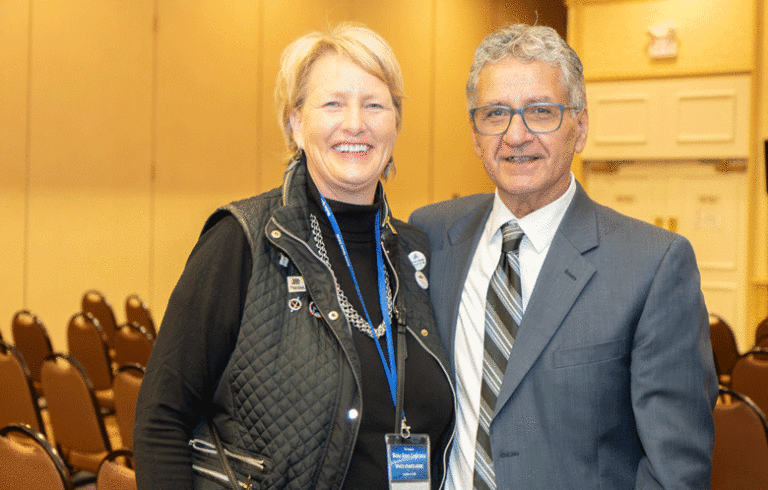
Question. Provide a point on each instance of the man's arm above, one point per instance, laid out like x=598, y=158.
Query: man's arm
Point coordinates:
x=673, y=379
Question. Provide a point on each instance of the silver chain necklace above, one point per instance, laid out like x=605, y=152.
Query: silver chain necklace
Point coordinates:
x=349, y=311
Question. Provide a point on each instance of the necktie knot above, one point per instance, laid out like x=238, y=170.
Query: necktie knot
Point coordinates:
x=511, y=235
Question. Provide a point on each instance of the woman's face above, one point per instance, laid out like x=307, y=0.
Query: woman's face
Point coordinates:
x=346, y=127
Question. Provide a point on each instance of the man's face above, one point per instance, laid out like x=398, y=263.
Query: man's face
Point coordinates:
x=529, y=169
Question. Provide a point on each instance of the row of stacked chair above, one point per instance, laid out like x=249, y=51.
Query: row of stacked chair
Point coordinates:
x=77, y=392
x=29, y=461
x=745, y=373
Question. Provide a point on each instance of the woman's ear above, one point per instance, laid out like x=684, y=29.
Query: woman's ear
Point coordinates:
x=294, y=119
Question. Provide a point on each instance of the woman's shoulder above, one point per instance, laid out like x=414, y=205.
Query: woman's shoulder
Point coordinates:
x=410, y=235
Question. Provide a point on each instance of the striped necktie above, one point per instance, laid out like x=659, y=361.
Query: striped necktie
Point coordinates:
x=503, y=312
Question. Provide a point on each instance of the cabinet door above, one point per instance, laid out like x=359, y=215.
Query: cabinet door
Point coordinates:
x=635, y=193
x=710, y=208
x=689, y=118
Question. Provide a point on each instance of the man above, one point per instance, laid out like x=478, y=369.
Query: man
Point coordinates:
x=609, y=381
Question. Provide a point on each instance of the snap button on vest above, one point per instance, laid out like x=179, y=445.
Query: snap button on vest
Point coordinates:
x=334, y=315
x=276, y=234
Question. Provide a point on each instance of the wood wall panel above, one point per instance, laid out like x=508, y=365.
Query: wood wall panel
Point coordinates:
x=207, y=119
x=89, y=154
x=460, y=26
x=14, y=48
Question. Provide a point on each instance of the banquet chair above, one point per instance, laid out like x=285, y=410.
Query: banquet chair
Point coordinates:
x=724, y=348
x=740, y=459
x=137, y=311
x=96, y=304
x=133, y=345
x=126, y=386
x=750, y=376
x=28, y=461
x=87, y=343
x=31, y=340
x=113, y=475
x=77, y=423
x=18, y=400
x=761, y=333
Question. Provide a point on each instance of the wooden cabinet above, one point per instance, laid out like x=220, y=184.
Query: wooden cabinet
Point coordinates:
x=703, y=204
x=686, y=118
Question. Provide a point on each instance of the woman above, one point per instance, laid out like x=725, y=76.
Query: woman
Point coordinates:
x=266, y=348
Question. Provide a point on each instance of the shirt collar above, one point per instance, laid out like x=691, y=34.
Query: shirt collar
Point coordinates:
x=539, y=226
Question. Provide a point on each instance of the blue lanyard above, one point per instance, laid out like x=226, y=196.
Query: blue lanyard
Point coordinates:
x=390, y=369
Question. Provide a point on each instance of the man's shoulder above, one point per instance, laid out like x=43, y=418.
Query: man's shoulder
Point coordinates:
x=630, y=233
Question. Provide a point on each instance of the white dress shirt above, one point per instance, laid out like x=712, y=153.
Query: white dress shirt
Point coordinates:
x=539, y=228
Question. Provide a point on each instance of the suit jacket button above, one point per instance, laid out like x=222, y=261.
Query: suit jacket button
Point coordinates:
x=334, y=315
x=424, y=332
x=276, y=234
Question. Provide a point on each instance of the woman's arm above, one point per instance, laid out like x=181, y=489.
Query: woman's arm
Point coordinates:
x=196, y=339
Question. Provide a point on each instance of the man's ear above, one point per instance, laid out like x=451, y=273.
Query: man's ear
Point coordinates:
x=582, y=126
x=294, y=119
x=475, y=138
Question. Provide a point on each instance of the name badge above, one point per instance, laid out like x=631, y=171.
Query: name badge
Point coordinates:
x=408, y=462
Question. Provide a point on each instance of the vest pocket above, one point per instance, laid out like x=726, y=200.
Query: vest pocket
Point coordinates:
x=249, y=469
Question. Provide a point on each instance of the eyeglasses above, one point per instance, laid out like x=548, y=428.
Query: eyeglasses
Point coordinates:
x=494, y=120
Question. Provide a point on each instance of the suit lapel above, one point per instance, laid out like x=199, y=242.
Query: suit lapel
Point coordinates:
x=563, y=276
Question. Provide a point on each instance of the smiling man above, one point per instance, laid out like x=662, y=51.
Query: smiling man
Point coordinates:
x=579, y=337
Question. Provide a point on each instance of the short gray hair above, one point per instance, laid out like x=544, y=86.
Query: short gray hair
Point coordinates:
x=530, y=43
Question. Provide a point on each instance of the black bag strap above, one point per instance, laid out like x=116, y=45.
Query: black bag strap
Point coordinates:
x=402, y=354
x=233, y=483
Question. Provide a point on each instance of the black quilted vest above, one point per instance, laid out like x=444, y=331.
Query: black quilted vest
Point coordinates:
x=294, y=375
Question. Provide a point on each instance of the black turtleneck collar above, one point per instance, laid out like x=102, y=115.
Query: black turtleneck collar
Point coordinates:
x=352, y=218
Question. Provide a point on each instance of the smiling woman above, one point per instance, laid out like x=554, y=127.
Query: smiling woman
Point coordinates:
x=276, y=364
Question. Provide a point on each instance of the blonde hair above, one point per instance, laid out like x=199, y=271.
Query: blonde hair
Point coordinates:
x=355, y=41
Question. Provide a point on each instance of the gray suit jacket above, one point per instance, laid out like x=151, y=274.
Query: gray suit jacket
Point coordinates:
x=611, y=382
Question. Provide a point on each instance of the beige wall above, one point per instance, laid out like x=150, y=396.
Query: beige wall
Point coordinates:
x=125, y=123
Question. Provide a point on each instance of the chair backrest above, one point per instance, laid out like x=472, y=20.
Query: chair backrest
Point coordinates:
x=28, y=461
x=740, y=459
x=761, y=333
x=88, y=344
x=32, y=341
x=723, y=344
x=136, y=311
x=18, y=399
x=96, y=304
x=126, y=386
x=78, y=427
x=133, y=345
x=112, y=475
x=750, y=376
